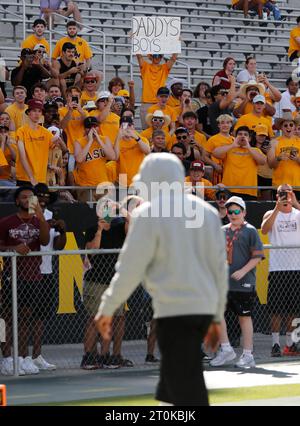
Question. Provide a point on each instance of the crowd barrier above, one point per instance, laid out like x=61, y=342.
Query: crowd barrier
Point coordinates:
x=56, y=304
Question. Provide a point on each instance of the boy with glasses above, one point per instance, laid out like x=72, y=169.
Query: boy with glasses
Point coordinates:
x=244, y=252
x=158, y=121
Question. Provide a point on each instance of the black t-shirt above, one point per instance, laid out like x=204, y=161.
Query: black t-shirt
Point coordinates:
x=31, y=76
x=103, y=266
x=70, y=80
x=213, y=113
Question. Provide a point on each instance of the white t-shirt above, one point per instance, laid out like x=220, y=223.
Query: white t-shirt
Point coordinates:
x=285, y=232
x=284, y=103
x=244, y=76
x=46, y=265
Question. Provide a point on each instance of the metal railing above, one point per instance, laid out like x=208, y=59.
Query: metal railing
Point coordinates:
x=22, y=18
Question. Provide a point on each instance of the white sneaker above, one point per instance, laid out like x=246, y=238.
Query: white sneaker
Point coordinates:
x=42, y=364
x=7, y=367
x=85, y=31
x=245, y=361
x=28, y=366
x=222, y=357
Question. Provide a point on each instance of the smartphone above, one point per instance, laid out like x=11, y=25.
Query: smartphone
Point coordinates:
x=265, y=144
x=33, y=200
x=124, y=126
x=75, y=99
x=283, y=195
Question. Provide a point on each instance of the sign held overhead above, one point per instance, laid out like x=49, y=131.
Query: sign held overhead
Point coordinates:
x=156, y=35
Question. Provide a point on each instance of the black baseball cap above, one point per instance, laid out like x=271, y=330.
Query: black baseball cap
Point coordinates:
x=89, y=122
x=163, y=91
x=50, y=104
x=26, y=51
x=224, y=191
x=181, y=130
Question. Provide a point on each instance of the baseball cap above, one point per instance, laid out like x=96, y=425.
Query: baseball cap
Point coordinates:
x=223, y=191
x=26, y=51
x=103, y=95
x=90, y=105
x=89, y=122
x=236, y=200
x=59, y=99
x=119, y=99
x=23, y=188
x=33, y=104
x=197, y=165
x=181, y=130
x=163, y=91
x=259, y=98
x=261, y=129
x=38, y=46
x=124, y=93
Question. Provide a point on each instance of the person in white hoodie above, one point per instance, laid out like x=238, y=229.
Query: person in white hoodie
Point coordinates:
x=182, y=263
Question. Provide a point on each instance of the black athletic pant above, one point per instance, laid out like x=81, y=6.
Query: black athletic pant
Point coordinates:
x=181, y=372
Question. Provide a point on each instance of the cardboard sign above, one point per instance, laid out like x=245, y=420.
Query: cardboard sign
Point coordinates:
x=155, y=35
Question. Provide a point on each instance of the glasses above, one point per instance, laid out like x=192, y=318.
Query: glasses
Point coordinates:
x=158, y=120
x=103, y=100
x=236, y=211
x=43, y=195
x=183, y=137
x=90, y=81
x=288, y=125
x=221, y=197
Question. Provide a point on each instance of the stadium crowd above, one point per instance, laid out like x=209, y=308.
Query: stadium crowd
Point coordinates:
x=62, y=129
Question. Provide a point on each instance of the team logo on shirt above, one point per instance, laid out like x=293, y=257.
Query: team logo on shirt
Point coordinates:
x=26, y=233
x=95, y=155
x=287, y=226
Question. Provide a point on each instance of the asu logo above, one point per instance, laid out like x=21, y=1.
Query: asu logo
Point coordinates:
x=95, y=154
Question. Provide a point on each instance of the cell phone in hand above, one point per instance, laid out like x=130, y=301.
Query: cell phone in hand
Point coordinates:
x=283, y=195
x=75, y=99
x=33, y=201
x=124, y=126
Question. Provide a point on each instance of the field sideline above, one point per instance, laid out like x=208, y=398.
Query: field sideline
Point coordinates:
x=216, y=396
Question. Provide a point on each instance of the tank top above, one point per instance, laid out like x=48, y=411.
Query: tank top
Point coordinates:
x=285, y=232
x=191, y=157
x=70, y=80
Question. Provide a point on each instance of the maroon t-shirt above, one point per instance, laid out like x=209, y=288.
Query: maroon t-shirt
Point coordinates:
x=15, y=231
x=225, y=83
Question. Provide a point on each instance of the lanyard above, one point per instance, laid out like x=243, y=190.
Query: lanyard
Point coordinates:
x=230, y=241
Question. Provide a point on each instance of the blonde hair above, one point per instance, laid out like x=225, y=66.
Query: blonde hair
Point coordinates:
x=224, y=117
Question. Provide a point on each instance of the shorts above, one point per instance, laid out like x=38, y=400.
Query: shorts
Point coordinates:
x=241, y=303
x=92, y=293
x=36, y=296
x=284, y=292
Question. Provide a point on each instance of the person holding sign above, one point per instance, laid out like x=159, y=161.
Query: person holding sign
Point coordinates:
x=154, y=75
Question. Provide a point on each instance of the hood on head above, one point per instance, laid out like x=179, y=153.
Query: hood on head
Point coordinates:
x=160, y=167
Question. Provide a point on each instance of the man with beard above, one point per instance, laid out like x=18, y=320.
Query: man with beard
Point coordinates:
x=22, y=232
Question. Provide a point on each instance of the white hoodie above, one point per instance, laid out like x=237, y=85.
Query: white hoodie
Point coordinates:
x=184, y=269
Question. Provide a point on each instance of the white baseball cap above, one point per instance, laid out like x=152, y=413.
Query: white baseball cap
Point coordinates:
x=103, y=95
x=236, y=200
x=259, y=98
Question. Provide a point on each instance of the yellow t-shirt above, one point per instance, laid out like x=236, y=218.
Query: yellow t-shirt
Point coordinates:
x=6, y=172
x=85, y=97
x=216, y=141
x=110, y=127
x=130, y=159
x=233, y=2
x=36, y=144
x=240, y=169
x=32, y=41
x=167, y=111
x=82, y=47
x=153, y=77
x=173, y=102
x=92, y=171
x=3, y=161
x=74, y=129
x=287, y=171
x=148, y=135
x=250, y=120
x=249, y=106
x=208, y=193
x=17, y=115
x=295, y=33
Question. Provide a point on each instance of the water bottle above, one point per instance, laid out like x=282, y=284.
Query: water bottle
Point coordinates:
x=265, y=16
x=2, y=71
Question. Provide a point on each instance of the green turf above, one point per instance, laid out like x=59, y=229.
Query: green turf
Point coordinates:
x=216, y=396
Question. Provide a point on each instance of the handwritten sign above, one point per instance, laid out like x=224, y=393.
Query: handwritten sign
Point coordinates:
x=155, y=35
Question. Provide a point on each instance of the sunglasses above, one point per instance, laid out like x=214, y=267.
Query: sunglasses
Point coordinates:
x=158, y=120
x=221, y=197
x=43, y=195
x=90, y=81
x=236, y=211
x=184, y=137
x=223, y=93
x=288, y=125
